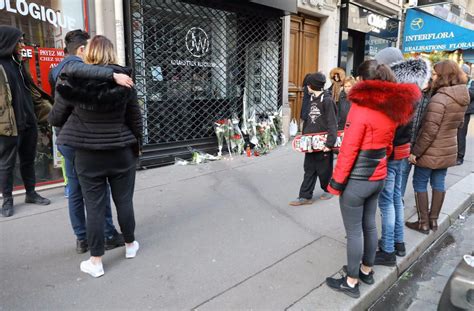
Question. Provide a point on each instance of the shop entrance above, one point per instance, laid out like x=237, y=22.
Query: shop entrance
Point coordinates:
x=304, y=51
x=196, y=62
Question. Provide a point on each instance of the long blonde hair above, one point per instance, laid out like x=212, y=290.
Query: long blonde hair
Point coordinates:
x=100, y=51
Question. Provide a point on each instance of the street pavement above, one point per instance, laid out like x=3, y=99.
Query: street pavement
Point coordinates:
x=421, y=286
x=216, y=236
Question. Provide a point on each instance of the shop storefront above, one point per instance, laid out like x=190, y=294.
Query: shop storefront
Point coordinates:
x=45, y=24
x=363, y=33
x=436, y=38
x=196, y=62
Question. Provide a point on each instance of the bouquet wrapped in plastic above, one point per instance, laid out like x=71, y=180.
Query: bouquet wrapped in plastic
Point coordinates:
x=237, y=139
x=222, y=130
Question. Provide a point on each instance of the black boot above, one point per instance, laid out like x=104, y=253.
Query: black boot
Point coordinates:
x=385, y=259
x=35, y=198
x=7, y=207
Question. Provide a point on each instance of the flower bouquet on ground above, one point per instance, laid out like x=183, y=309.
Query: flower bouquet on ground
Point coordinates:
x=265, y=138
x=277, y=128
x=237, y=139
x=221, y=128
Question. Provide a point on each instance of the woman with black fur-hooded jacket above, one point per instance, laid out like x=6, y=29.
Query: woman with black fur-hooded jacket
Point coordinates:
x=102, y=121
x=378, y=106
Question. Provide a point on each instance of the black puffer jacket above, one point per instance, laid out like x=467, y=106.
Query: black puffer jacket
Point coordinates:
x=96, y=115
x=343, y=107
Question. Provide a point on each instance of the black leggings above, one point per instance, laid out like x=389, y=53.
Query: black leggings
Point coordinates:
x=94, y=169
x=358, y=205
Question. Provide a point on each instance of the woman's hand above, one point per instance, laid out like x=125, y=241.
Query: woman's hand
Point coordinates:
x=333, y=191
x=412, y=159
x=123, y=80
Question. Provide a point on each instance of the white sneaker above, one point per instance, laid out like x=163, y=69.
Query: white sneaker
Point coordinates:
x=131, y=251
x=92, y=269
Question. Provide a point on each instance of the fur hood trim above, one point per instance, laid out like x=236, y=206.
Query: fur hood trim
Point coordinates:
x=340, y=71
x=413, y=70
x=396, y=100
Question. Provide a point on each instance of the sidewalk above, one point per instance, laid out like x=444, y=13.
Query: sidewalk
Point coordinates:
x=217, y=236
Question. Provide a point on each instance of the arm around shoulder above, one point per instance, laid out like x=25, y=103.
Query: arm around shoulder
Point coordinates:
x=84, y=71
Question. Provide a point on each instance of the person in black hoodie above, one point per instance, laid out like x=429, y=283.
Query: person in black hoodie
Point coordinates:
x=22, y=106
x=320, y=116
x=103, y=123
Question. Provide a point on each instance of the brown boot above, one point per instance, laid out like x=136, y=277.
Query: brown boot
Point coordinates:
x=437, y=200
x=421, y=199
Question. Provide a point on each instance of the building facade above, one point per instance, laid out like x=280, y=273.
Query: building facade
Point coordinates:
x=194, y=62
x=313, y=35
x=366, y=28
x=45, y=24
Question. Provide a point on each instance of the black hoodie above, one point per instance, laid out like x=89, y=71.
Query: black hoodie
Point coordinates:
x=19, y=84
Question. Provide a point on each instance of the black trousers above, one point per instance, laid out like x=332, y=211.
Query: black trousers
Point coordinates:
x=462, y=133
x=94, y=168
x=316, y=164
x=25, y=146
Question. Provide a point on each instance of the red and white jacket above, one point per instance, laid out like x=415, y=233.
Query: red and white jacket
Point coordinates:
x=378, y=107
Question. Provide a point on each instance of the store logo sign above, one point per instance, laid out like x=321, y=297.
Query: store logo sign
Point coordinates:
x=197, y=42
x=392, y=26
x=377, y=21
x=417, y=23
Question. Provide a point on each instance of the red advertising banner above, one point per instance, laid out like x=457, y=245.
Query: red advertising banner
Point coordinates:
x=28, y=54
x=48, y=59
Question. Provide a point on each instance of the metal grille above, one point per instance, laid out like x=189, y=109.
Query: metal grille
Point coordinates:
x=197, y=62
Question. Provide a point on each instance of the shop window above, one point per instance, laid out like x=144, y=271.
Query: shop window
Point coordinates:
x=45, y=24
x=197, y=64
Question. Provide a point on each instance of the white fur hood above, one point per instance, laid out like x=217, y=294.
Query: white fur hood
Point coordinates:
x=413, y=70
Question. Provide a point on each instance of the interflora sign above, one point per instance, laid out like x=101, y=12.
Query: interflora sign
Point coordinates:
x=39, y=12
x=426, y=33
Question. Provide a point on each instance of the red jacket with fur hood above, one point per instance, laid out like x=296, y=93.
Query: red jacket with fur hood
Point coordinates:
x=378, y=107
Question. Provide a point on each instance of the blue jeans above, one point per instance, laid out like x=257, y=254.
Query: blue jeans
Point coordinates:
x=77, y=213
x=436, y=177
x=391, y=207
x=405, y=168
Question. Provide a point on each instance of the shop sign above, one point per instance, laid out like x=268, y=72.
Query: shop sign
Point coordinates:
x=367, y=21
x=426, y=33
x=28, y=53
x=379, y=22
x=197, y=44
x=48, y=59
x=39, y=12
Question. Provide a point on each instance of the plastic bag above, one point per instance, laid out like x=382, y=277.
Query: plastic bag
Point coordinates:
x=293, y=127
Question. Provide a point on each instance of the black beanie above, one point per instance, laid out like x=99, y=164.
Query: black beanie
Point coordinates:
x=316, y=81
